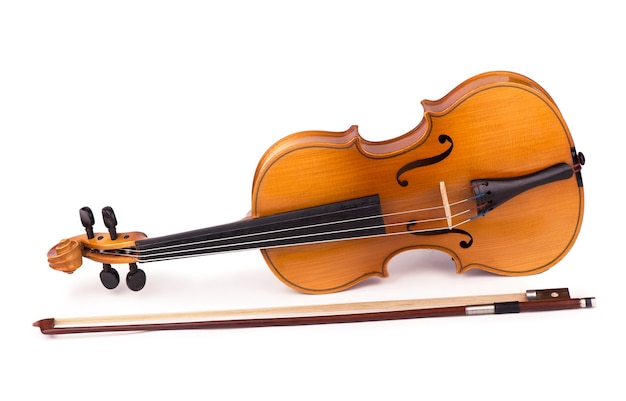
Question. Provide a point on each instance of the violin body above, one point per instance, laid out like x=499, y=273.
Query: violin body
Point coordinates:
x=501, y=125
x=490, y=176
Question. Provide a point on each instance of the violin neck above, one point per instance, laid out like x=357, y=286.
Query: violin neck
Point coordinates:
x=355, y=218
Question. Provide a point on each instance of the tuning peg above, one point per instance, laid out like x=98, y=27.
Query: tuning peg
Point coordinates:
x=87, y=219
x=110, y=221
x=136, y=278
x=109, y=277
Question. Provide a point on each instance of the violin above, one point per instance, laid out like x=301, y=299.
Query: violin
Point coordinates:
x=490, y=176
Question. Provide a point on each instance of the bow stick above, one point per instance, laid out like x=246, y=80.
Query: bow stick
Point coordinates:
x=530, y=301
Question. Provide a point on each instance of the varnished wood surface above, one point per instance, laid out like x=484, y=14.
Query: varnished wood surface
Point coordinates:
x=502, y=124
x=494, y=126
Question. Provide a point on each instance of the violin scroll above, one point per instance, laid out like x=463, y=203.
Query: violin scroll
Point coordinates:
x=66, y=256
x=106, y=248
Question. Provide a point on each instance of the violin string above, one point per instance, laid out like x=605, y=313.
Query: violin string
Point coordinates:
x=158, y=251
x=259, y=242
x=156, y=255
x=164, y=251
x=190, y=241
x=223, y=237
x=212, y=249
x=317, y=225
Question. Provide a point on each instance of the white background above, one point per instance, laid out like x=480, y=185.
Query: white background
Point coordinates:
x=162, y=110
